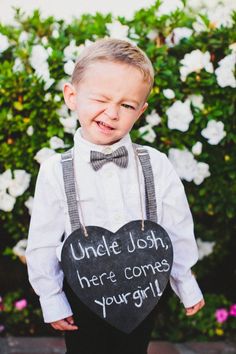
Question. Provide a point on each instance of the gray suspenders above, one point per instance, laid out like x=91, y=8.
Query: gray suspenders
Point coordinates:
x=70, y=190
x=150, y=194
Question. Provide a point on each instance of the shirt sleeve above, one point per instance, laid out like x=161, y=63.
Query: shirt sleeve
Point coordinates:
x=177, y=221
x=45, y=232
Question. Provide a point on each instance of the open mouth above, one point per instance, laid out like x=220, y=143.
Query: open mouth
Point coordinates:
x=104, y=126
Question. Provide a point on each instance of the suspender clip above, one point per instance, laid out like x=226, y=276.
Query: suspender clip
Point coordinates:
x=141, y=151
x=68, y=158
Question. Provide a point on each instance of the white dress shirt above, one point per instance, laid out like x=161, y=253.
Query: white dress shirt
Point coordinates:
x=109, y=198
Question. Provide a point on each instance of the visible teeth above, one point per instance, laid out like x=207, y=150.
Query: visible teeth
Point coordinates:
x=105, y=125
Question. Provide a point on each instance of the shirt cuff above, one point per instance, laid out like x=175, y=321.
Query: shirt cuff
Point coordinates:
x=55, y=308
x=187, y=290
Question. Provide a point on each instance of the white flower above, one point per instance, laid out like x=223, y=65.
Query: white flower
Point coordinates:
x=117, y=30
x=133, y=34
x=63, y=110
x=30, y=130
x=69, y=124
x=214, y=132
x=4, y=43
x=200, y=26
x=187, y=167
x=42, y=71
x=153, y=118
x=60, y=84
x=20, y=183
x=55, y=33
x=5, y=180
x=202, y=172
x=177, y=34
x=16, y=186
x=196, y=100
x=218, y=11
x=179, y=116
x=204, y=248
x=152, y=35
x=168, y=93
x=147, y=133
x=56, y=26
x=18, y=65
x=225, y=71
x=29, y=204
x=195, y=62
x=184, y=163
x=57, y=98
x=169, y=6
x=38, y=61
x=194, y=5
x=220, y=15
x=56, y=143
x=7, y=202
x=49, y=50
x=38, y=56
x=197, y=148
x=47, y=97
x=69, y=67
x=197, y=5
x=44, y=41
x=48, y=83
x=43, y=154
x=87, y=43
x=20, y=248
x=72, y=51
x=23, y=37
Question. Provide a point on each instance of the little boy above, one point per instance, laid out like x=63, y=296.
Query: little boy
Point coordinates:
x=109, y=88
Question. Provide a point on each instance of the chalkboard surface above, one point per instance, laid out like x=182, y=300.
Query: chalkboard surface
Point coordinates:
x=119, y=276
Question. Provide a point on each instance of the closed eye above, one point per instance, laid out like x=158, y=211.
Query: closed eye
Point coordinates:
x=100, y=101
x=127, y=106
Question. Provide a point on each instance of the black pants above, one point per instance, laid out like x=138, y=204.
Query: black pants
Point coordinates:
x=95, y=336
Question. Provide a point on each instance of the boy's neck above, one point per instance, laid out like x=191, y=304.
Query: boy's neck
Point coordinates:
x=93, y=143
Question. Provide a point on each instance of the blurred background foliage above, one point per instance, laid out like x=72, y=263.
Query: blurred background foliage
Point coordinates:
x=34, y=123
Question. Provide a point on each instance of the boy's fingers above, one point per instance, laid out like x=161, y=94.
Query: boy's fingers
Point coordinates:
x=70, y=320
x=63, y=325
x=191, y=311
x=194, y=309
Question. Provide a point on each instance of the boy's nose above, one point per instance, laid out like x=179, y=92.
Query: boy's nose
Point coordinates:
x=112, y=112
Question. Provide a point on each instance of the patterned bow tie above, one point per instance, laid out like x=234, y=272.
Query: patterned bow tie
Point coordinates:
x=119, y=157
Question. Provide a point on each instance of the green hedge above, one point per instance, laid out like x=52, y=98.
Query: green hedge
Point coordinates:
x=191, y=117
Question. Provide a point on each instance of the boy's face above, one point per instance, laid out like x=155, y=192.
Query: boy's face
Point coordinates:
x=108, y=100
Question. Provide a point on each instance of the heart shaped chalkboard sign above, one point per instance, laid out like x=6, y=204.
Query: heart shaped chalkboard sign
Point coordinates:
x=119, y=276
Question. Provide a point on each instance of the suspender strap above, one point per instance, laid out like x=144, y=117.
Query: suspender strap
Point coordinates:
x=150, y=195
x=70, y=190
x=69, y=183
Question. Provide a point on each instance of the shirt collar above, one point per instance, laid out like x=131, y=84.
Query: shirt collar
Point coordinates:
x=83, y=146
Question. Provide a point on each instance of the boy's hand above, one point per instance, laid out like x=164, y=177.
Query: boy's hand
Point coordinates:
x=190, y=311
x=67, y=324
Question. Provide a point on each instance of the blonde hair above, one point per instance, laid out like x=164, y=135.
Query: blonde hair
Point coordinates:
x=117, y=51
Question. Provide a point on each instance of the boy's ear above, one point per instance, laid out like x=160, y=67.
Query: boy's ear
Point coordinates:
x=145, y=106
x=69, y=93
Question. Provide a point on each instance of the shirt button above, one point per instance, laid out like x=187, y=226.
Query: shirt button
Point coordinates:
x=107, y=150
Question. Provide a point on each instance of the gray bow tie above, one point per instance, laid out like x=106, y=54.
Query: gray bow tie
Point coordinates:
x=119, y=157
